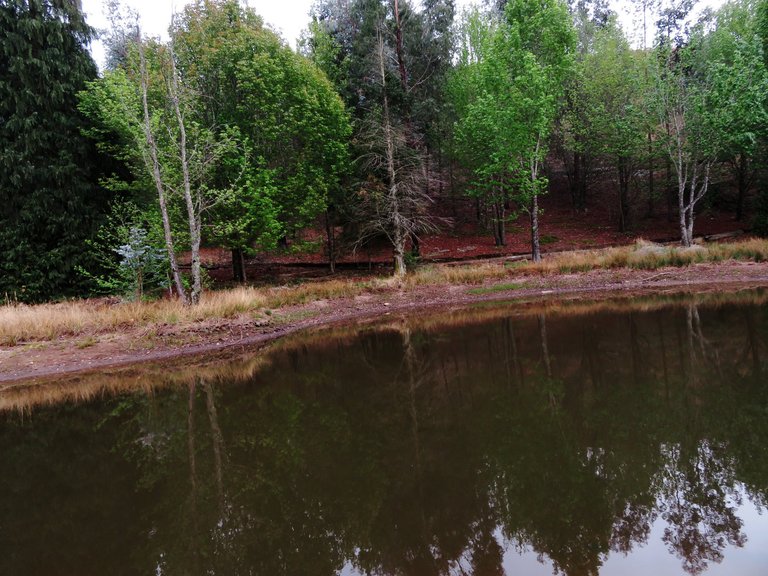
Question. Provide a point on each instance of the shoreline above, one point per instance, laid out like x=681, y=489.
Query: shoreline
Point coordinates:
x=45, y=361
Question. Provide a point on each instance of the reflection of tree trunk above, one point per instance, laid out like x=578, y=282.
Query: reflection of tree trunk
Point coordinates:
x=193, y=547
x=511, y=346
x=191, y=440
x=696, y=336
x=218, y=442
x=684, y=369
x=634, y=346
x=544, y=345
x=505, y=345
x=515, y=355
x=663, y=354
x=545, y=353
x=691, y=350
x=411, y=366
x=754, y=346
x=707, y=351
x=591, y=350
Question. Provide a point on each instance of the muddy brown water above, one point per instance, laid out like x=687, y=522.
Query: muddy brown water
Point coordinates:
x=625, y=438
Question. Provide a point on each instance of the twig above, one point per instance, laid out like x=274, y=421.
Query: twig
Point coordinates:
x=656, y=276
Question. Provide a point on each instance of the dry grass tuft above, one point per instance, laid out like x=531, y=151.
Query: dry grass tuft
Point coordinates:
x=280, y=296
x=22, y=323
x=646, y=255
x=467, y=274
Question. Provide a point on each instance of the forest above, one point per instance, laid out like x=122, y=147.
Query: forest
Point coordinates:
x=113, y=180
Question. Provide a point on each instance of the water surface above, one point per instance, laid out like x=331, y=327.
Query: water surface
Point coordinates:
x=625, y=438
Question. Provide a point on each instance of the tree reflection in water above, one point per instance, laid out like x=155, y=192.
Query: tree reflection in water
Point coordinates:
x=409, y=450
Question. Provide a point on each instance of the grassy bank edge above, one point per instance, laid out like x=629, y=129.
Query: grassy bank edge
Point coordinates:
x=20, y=323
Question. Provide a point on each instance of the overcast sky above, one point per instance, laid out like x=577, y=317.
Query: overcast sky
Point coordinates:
x=289, y=17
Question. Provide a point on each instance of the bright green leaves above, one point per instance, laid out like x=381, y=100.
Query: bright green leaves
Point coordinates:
x=507, y=92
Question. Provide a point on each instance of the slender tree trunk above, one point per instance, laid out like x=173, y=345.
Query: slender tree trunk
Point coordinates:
x=685, y=240
x=669, y=191
x=331, y=241
x=650, y=175
x=576, y=183
x=535, y=246
x=741, y=180
x=193, y=210
x=499, y=230
x=624, y=173
x=139, y=285
x=157, y=177
x=238, y=265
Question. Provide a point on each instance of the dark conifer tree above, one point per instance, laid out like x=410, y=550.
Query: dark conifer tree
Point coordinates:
x=48, y=197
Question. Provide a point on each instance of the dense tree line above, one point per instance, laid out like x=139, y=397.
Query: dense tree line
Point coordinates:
x=389, y=113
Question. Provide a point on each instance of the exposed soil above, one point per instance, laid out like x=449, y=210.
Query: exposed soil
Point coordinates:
x=41, y=361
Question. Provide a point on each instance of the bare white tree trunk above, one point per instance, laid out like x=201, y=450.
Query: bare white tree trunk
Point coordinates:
x=535, y=244
x=691, y=164
x=154, y=165
x=193, y=207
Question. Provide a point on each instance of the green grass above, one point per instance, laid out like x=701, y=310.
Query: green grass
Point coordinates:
x=496, y=288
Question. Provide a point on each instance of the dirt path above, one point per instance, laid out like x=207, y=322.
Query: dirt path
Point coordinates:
x=43, y=360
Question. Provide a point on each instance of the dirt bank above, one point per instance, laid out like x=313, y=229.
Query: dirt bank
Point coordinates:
x=43, y=360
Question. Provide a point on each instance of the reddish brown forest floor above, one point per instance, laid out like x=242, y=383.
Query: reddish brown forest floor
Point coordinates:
x=463, y=237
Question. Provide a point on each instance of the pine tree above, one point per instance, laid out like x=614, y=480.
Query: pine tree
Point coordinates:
x=48, y=196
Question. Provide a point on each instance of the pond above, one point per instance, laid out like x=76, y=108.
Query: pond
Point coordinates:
x=617, y=438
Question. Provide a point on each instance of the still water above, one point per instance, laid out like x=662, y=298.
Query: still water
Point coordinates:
x=621, y=438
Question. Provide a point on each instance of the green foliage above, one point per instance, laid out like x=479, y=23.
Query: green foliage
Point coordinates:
x=49, y=199
x=293, y=129
x=762, y=26
x=507, y=91
x=128, y=253
x=140, y=259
